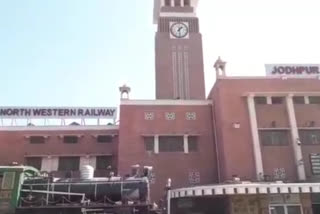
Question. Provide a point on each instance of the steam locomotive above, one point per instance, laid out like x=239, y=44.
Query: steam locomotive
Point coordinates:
x=23, y=190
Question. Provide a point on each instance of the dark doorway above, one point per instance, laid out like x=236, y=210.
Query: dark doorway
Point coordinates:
x=316, y=208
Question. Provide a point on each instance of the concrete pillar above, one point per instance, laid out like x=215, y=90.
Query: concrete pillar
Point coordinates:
x=255, y=137
x=295, y=138
x=185, y=144
x=163, y=3
x=269, y=100
x=182, y=3
x=306, y=100
x=46, y=164
x=172, y=3
x=93, y=162
x=156, y=144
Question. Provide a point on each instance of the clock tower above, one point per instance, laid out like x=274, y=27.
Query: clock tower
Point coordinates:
x=178, y=50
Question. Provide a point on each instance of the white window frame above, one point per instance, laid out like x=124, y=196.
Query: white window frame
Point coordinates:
x=285, y=207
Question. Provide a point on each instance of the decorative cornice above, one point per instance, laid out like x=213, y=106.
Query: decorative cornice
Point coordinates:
x=167, y=102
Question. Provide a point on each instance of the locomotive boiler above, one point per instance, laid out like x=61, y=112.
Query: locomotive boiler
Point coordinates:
x=25, y=191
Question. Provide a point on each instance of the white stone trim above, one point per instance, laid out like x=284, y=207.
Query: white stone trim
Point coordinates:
x=185, y=144
x=269, y=77
x=156, y=144
x=282, y=94
x=167, y=102
x=58, y=128
x=174, y=72
x=277, y=128
x=169, y=134
x=162, y=3
x=306, y=100
x=269, y=100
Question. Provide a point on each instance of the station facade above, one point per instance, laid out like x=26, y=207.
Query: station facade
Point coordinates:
x=251, y=147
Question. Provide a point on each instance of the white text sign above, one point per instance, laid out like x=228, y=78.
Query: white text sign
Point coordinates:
x=57, y=112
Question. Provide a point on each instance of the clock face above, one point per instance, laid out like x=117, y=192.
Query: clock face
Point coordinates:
x=179, y=30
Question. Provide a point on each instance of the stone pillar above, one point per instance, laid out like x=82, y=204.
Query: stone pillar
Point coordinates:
x=269, y=100
x=156, y=144
x=172, y=3
x=295, y=138
x=185, y=144
x=255, y=137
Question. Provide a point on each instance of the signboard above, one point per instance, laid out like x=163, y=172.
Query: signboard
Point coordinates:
x=57, y=112
x=297, y=70
x=315, y=163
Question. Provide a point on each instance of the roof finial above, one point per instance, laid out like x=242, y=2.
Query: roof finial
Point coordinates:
x=220, y=67
x=124, y=91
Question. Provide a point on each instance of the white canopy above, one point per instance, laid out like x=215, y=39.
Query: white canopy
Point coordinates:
x=246, y=188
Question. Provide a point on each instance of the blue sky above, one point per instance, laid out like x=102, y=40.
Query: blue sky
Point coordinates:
x=78, y=52
x=74, y=52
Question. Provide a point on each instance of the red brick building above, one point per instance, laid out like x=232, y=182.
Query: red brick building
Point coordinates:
x=253, y=146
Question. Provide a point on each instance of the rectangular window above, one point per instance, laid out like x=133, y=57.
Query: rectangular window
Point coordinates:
x=314, y=100
x=260, y=100
x=1, y=179
x=104, y=162
x=294, y=209
x=298, y=100
x=36, y=162
x=8, y=180
x=274, y=137
x=168, y=2
x=187, y=3
x=193, y=143
x=309, y=137
x=277, y=210
x=285, y=209
x=37, y=139
x=277, y=100
x=69, y=163
x=315, y=163
x=104, y=138
x=70, y=139
x=171, y=144
x=149, y=143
